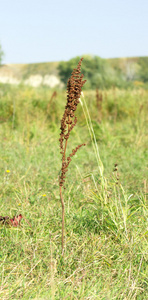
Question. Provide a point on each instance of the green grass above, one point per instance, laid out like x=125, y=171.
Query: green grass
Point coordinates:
x=106, y=226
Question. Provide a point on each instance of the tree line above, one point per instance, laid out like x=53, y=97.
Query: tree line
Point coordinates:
x=106, y=73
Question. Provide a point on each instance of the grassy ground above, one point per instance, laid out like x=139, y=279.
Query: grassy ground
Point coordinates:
x=106, y=241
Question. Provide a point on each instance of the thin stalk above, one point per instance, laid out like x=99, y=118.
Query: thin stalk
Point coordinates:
x=63, y=219
x=61, y=196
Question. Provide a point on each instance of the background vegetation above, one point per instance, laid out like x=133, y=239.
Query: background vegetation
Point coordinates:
x=106, y=73
x=126, y=73
x=106, y=216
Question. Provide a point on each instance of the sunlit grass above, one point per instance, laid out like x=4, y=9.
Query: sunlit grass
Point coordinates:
x=106, y=239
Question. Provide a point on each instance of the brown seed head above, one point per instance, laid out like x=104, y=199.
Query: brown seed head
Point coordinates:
x=74, y=87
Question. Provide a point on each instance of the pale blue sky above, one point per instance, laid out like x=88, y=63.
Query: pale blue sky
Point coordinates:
x=44, y=30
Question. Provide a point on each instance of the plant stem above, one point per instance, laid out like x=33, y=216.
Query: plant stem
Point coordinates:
x=61, y=197
x=63, y=222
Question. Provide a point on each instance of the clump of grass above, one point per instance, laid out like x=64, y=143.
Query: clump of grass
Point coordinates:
x=68, y=122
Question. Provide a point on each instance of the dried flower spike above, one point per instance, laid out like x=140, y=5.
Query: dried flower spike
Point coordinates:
x=68, y=122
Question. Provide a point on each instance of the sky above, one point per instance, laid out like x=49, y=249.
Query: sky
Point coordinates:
x=54, y=30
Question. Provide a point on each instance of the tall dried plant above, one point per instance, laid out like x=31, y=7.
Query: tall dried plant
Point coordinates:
x=68, y=122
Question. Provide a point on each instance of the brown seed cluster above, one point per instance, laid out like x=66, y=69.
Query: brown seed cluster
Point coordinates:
x=68, y=122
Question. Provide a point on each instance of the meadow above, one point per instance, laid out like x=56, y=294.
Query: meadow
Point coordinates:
x=106, y=208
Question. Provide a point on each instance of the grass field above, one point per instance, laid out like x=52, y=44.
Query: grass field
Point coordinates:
x=106, y=244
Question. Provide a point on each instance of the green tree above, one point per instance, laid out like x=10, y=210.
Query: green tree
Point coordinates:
x=94, y=68
x=100, y=73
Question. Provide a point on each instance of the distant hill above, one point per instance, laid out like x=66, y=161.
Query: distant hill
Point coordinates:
x=98, y=72
x=31, y=74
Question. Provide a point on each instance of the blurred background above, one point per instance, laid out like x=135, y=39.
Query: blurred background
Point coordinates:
x=111, y=35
